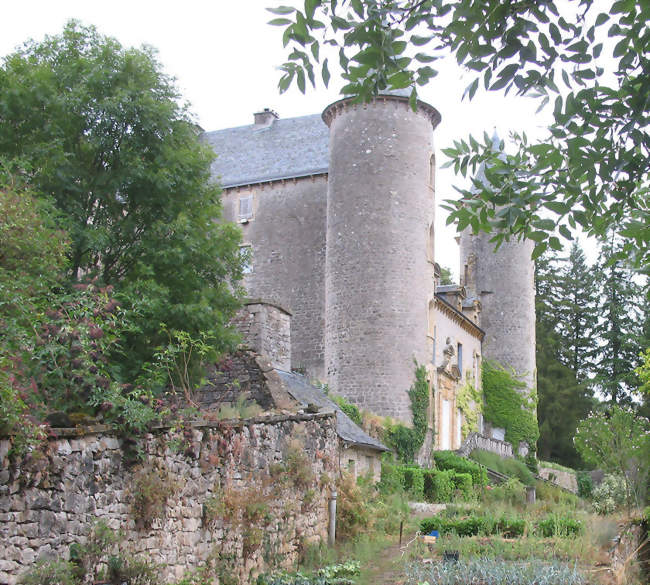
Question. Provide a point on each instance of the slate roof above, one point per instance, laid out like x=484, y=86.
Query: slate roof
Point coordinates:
x=305, y=393
x=291, y=148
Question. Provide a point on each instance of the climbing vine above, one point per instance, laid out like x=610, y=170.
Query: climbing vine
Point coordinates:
x=507, y=406
x=470, y=402
x=407, y=441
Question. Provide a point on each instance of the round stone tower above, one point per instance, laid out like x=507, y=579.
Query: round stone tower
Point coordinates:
x=503, y=281
x=379, y=262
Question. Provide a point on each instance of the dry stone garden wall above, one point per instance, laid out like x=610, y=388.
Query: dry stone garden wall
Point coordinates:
x=243, y=495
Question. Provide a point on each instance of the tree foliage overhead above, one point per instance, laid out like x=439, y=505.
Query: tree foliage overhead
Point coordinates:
x=98, y=129
x=590, y=64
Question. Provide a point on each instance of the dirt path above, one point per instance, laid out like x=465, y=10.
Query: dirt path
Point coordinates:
x=387, y=568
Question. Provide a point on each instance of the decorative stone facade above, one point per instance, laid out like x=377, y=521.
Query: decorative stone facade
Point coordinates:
x=283, y=463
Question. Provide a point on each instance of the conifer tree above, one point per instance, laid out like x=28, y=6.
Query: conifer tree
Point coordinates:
x=577, y=318
x=620, y=328
x=563, y=401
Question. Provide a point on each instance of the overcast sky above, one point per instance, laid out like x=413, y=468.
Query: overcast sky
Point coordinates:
x=224, y=57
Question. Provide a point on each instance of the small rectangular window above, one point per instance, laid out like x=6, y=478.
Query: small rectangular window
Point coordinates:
x=460, y=359
x=246, y=207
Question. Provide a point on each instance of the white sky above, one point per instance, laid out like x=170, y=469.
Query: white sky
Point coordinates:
x=224, y=57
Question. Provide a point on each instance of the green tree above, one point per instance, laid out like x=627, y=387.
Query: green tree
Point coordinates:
x=446, y=276
x=562, y=400
x=591, y=172
x=619, y=331
x=617, y=440
x=98, y=129
x=577, y=299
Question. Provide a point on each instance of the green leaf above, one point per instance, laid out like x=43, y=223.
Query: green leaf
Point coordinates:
x=325, y=73
x=281, y=10
x=418, y=41
x=539, y=249
x=279, y=21
x=557, y=207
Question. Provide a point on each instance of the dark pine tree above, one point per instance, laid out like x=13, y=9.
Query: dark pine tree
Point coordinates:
x=562, y=400
x=577, y=304
x=620, y=327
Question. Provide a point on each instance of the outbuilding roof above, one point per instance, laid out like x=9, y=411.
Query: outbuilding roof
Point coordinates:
x=284, y=149
x=305, y=393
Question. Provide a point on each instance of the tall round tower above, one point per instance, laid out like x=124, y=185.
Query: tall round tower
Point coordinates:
x=503, y=280
x=379, y=260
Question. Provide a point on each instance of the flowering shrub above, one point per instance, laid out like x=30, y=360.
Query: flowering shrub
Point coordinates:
x=609, y=496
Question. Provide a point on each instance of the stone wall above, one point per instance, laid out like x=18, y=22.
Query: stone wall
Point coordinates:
x=246, y=494
x=565, y=479
x=287, y=238
x=246, y=374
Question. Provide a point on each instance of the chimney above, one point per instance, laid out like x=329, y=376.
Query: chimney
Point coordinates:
x=266, y=329
x=265, y=118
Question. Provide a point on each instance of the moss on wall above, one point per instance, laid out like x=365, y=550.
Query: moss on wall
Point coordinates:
x=507, y=405
x=407, y=441
x=470, y=402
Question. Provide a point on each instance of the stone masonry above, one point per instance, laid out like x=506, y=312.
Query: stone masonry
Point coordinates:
x=379, y=275
x=282, y=464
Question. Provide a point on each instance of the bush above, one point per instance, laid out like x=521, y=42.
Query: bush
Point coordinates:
x=392, y=477
x=585, y=484
x=443, y=486
x=354, y=512
x=449, y=460
x=506, y=465
x=463, y=484
x=511, y=526
x=557, y=525
x=414, y=482
x=51, y=573
x=609, y=496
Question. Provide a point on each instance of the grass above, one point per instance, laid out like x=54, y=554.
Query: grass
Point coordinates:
x=506, y=465
x=557, y=466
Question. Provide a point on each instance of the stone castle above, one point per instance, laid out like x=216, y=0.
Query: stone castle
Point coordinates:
x=337, y=214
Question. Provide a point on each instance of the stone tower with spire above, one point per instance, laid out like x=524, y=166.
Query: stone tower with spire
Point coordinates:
x=503, y=281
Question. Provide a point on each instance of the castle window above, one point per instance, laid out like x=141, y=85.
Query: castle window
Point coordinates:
x=245, y=208
x=460, y=359
x=432, y=172
x=246, y=257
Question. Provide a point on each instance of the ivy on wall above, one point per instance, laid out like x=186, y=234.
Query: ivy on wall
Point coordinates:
x=509, y=405
x=407, y=441
x=470, y=402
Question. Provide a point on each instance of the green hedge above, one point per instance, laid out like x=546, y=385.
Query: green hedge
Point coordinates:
x=414, y=482
x=510, y=526
x=463, y=484
x=432, y=485
x=449, y=460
